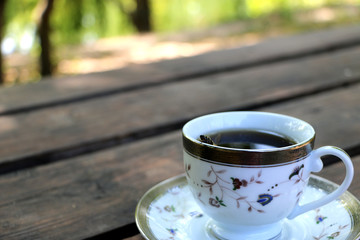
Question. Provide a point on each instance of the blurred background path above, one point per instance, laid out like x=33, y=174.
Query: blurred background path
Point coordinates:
x=91, y=36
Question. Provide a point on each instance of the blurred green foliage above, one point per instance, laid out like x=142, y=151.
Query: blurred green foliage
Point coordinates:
x=76, y=21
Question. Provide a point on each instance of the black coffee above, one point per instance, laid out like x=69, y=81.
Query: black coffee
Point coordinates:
x=247, y=139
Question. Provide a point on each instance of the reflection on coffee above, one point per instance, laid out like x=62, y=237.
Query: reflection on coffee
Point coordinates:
x=247, y=139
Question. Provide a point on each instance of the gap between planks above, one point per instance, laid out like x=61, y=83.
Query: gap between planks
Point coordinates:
x=105, y=143
x=165, y=72
x=174, y=123
x=74, y=182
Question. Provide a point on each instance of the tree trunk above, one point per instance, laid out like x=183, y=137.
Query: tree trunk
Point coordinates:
x=141, y=17
x=44, y=36
x=2, y=25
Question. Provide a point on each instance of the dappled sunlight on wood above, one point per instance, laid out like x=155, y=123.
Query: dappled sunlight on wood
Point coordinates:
x=328, y=14
x=120, y=52
x=7, y=124
x=69, y=83
x=21, y=68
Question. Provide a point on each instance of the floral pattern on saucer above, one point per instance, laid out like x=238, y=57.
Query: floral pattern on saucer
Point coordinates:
x=172, y=214
x=169, y=213
x=328, y=230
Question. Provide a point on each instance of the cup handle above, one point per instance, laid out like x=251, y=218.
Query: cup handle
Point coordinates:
x=316, y=166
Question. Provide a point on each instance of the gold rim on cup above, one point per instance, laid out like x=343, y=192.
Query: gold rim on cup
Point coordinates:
x=248, y=157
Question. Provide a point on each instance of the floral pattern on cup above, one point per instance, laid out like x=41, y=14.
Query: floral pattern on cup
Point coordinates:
x=232, y=188
x=329, y=230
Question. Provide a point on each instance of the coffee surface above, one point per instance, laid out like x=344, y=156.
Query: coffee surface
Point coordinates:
x=247, y=139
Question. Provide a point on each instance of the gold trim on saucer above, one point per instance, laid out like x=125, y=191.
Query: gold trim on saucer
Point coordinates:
x=154, y=193
x=348, y=201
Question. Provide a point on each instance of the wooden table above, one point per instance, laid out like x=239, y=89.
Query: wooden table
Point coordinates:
x=77, y=153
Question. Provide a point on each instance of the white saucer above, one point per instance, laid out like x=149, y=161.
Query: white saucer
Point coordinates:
x=168, y=212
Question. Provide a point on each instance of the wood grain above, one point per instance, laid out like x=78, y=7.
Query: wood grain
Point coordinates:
x=137, y=237
x=114, y=118
x=74, y=88
x=98, y=192
x=94, y=193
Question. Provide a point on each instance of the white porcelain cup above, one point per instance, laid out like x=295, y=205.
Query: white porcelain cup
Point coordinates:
x=248, y=192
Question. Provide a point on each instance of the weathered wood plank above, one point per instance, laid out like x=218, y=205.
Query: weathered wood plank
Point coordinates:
x=74, y=88
x=335, y=116
x=98, y=192
x=143, y=112
x=136, y=237
x=95, y=193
